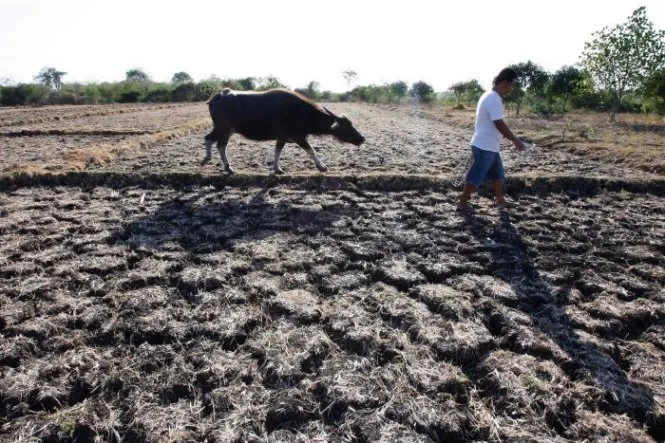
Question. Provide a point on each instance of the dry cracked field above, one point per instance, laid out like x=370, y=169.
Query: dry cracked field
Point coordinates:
x=147, y=298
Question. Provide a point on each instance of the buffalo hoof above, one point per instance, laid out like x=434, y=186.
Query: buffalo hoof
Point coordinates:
x=279, y=171
x=205, y=161
x=322, y=167
x=229, y=170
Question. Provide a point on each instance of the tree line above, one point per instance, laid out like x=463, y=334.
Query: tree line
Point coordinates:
x=622, y=68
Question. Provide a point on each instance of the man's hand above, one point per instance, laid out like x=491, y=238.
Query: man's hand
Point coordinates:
x=506, y=132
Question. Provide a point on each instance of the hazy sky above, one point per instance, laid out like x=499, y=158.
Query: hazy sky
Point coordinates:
x=298, y=41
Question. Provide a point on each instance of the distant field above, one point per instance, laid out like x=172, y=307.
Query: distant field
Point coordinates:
x=636, y=141
x=147, y=298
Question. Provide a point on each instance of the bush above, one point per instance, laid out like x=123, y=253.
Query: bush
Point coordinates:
x=24, y=94
x=158, y=95
x=399, y=89
x=11, y=96
x=205, y=89
x=422, y=92
x=547, y=109
x=108, y=92
x=654, y=105
x=64, y=98
x=372, y=94
x=185, y=92
x=129, y=97
x=90, y=94
x=590, y=100
x=246, y=84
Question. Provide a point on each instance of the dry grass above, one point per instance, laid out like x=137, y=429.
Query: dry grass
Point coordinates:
x=45, y=114
x=102, y=153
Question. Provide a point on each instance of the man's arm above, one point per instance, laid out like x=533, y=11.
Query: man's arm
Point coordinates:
x=506, y=132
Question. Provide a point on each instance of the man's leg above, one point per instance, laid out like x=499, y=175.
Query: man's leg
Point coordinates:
x=476, y=175
x=497, y=186
x=497, y=176
x=466, y=194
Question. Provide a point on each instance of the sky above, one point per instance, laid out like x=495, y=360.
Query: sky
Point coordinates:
x=300, y=41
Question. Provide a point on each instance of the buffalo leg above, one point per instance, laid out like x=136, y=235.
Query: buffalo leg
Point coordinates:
x=278, y=152
x=222, y=141
x=308, y=149
x=209, y=141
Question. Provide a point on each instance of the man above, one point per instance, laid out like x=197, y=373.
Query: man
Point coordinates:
x=486, y=141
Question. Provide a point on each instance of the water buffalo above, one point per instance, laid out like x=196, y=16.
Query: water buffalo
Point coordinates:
x=276, y=114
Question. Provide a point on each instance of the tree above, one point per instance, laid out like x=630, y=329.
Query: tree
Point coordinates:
x=247, y=84
x=310, y=91
x=566, y=82
x=623, y=57
x=654, y=86
x=349, y=76
x=184, y=92
x=458, y=89
x=399, y=88
x=531, y=79
x=654, y=92
x=50, y=77
x=422, y=91
x=471, y=89
x=137, y=75
x=205, y=89
x=182, y=77
x=270, y=82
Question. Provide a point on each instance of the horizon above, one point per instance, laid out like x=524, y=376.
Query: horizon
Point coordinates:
x=96, y=43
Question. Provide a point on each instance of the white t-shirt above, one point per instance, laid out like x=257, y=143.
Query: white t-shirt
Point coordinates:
x=489, y=109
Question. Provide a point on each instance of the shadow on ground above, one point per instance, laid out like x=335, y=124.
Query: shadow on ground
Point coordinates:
x=201, y=223
x=597, y=368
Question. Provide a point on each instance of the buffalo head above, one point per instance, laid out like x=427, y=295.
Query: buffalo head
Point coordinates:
x=343, y=130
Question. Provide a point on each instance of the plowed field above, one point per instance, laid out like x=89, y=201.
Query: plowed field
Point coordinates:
x=147, y=298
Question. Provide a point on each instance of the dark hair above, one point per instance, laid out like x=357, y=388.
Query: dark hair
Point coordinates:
x=507, y=74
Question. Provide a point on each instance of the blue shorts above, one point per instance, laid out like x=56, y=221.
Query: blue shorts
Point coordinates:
x=487, y=165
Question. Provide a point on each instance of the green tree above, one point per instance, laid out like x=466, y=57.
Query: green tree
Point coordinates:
x=458, y=89
x=623, y=57
x=654, y=92
x=654, y=86
x=184, y=92
x=205, y=89
x=566, y=82
x=531, y=79
x=181, y=77
x=247, y=84
x=470, y=89
x=50, y=77
x=473, y=91
x=422, y=92
x=137, y=75
x=399, y=88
